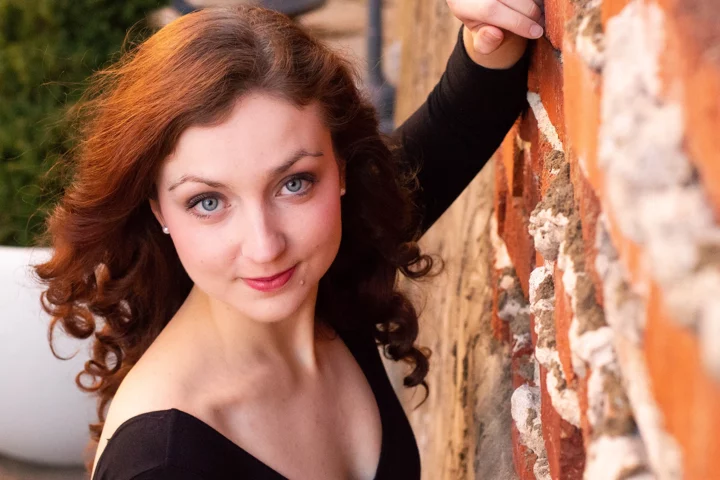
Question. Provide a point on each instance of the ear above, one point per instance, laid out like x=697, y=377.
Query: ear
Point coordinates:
x=155, y=207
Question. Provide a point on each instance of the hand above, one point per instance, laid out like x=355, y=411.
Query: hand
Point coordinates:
x=490, y=21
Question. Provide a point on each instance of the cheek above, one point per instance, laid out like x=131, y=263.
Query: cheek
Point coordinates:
x=197, y=250
x=319, y=228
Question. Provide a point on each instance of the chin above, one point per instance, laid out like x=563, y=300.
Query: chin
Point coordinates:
x=272, y=308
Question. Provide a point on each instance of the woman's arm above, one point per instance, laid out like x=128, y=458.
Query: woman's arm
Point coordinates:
x=463, y=121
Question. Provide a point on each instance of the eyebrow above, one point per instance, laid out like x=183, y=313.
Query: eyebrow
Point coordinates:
x=294, y=158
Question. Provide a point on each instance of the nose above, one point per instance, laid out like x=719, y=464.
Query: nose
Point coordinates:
x=263, y=240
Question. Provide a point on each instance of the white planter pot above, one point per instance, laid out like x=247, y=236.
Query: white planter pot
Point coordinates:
x=44, y=417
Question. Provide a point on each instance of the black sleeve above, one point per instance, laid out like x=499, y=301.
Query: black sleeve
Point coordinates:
x=139, y=445
x=458, y=128
x=140, y=450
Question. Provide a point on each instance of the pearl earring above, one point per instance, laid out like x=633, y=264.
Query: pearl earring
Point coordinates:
x=342, y=191
x=166, y=230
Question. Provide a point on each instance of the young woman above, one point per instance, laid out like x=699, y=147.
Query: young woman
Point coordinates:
x=232, y=236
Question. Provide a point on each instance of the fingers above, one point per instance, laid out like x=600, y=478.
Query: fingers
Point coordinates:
x=503, y=16
x=487, y=39
x=522, y=17
x=529, y=8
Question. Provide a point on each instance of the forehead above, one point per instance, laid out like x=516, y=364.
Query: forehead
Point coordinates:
x=260, y=131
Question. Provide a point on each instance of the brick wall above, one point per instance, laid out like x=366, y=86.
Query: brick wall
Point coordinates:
x=603, y=253
x=607, y=208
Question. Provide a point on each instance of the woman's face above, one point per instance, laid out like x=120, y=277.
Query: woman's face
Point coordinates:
x=253, y=197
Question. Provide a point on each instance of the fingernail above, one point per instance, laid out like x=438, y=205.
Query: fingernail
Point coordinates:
x=536, y=31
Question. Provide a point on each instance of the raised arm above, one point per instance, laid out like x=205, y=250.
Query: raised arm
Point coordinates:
x=466, y=116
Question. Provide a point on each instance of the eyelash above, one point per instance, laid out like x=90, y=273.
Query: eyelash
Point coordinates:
x=307, y=177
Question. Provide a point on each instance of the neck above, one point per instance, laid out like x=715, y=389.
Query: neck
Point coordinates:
x=238, y=341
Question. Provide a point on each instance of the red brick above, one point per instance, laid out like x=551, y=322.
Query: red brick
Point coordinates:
x=703, y=124
x=582, y=113
x=563, y=318
x=520, y=244
x=563, y=441
x=539, y=150
x=687, y=396
x=582, y=389
x=523, y=458
x=501, y=194
x=528, y=132
x=533, y=335
x=520, y=158
x=507, y=153
x=690, y=68
x=546, y=78
x=531, y=184
x=556, y=14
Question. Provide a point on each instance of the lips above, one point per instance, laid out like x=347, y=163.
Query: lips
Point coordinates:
x=268, y=284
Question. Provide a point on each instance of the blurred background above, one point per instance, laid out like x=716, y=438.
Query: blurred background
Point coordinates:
x=48, y=49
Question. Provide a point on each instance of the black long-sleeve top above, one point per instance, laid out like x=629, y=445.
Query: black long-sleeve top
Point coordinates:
x=452, y=135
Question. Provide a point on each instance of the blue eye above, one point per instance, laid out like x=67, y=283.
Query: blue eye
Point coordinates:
x=294, y=185
x=300, y=184
x=203, y=205
x=209, y=204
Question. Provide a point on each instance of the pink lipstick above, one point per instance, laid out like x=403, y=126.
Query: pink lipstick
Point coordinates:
x=269, y=284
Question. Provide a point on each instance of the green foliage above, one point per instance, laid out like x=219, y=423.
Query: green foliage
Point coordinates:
x=48, y=49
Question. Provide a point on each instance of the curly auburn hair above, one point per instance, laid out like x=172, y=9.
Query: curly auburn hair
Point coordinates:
x=114, y=274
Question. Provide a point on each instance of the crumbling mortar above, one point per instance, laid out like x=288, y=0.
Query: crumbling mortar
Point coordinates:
x=613, y=457
x=525, y=410
x=545, y=125
x=520, y=342
x=554, y=162
x=617, y=419
x=590, y=314
x=550, y=217
x=625, y=313
x=636, y=472
x=546, y=289
x=512, y=305
x=527, y=368
x=585, y=27
x=545, y=330
x=563, y=397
